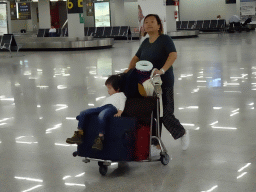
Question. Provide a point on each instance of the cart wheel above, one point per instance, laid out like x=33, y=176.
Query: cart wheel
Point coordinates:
x=103, y=170
x=165, y=159
x=100, y=163
x=75, y=154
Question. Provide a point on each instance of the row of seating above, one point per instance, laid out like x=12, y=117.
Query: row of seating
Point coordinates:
x=97, y=32
x=108, y=32
x=59, y=32
x=202, y=25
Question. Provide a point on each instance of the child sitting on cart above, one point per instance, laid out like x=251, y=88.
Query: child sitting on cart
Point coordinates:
x=112, y=106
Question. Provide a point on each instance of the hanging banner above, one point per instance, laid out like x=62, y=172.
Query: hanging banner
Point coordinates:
x=146, y=7
x=3, y=19
x=75, y=6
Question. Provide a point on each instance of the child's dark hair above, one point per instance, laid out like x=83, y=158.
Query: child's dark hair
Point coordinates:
x=114, y=81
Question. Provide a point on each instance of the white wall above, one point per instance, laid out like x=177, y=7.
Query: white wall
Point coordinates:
x=119, y=13
x=17, y=25
x=206, y=9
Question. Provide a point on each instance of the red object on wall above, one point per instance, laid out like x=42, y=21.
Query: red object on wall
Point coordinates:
x=175, y=14
x=142, y=142
x=54, y=11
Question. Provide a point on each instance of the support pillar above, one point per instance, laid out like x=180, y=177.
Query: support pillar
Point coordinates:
x=75, y=27
x=44, y=14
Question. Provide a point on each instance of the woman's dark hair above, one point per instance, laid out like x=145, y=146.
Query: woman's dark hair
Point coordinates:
x=114, y=81
x=161, y=30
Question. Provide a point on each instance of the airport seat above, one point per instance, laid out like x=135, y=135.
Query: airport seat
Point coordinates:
x=40, y=33
x=64, y=32
x=115, y=31
x=213, y=25
x=199, y=24
x=184, y=25
x=58, y=32
x=91, y=31
x=86, y=31
x=99, y=32
x=8, y=42
x=107, y=32
x=221, y=26
x=178, y=24
x=46, y=34
x=206, y=25
x=191, y=25
x=125, y=31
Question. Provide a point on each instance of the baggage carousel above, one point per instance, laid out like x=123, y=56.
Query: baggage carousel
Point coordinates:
x=65, y=43
x=183, y=34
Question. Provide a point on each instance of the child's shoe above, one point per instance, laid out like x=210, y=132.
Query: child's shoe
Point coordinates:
x=76, y=139
x=98, y=143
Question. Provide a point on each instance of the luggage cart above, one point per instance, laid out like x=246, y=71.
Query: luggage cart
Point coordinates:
x=164, y=157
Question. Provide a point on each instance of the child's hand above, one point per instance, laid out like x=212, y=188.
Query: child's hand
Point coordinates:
x=119, y=113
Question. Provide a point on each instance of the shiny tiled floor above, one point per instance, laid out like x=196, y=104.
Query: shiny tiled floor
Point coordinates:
x=215, y=89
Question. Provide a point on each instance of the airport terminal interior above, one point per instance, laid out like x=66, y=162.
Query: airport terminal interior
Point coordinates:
x=42, y=92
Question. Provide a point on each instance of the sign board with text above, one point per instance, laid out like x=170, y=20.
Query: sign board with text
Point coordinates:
x=24, y=11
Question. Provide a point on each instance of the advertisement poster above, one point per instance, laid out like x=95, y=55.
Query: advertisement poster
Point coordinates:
x=102, y=14
x=24, y=11
x=89, y=7
x=3, y=19
x=247, y=9
x=146, y=7
x=13, y=11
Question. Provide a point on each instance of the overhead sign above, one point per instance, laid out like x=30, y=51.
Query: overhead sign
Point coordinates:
x=75, y=6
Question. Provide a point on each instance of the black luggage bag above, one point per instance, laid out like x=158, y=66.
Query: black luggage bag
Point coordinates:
x=118, y=142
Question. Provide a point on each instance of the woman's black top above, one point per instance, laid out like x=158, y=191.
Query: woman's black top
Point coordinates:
x=157, y=53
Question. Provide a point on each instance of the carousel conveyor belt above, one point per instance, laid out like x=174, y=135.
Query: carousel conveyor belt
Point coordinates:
x=87, y=42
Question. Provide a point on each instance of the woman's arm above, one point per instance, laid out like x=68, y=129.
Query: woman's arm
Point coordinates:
x=169, y=62
x=133, y=62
